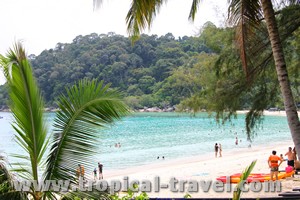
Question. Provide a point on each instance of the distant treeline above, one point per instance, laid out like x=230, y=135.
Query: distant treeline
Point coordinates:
x=194, y=72
x=140, y=71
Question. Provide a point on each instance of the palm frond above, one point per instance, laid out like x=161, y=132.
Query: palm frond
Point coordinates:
x=141, y=15
x=87, y=195
x=6, y=183
x=246, y=11
x=15, y=195
x=252, y=36
x=86, y=107
x=237, y=192
x=194, y=9
x=26, y=105
x=246, y=16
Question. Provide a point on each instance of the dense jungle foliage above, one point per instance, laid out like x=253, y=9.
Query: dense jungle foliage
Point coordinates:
x=162, y=71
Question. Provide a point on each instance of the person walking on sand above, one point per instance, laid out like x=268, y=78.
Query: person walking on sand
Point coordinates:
x=236, y=141
x=216, y=149
x=220, y=150
x=100, y=167
x=274, y=165
x=291, y=157
x=80, y=171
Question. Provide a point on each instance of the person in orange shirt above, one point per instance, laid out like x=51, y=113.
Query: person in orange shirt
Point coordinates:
x=274, y=165
x=80, y=171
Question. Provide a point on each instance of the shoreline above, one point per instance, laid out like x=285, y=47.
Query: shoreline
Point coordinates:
x=205, y=168
x=191, y=159
x=268, y=113
x=265, y=113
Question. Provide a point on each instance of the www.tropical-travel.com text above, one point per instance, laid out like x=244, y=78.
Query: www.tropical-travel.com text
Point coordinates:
x=174, y=185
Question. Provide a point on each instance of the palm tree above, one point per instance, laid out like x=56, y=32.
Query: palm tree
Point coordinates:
x=6, y=182
x=282, y=73
x=84, y=107
x=246, y=16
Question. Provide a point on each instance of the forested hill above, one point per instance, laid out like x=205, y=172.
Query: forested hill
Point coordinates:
x=194, y=73
x=140, y=71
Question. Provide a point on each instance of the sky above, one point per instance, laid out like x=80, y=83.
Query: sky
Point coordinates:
x=41, y=24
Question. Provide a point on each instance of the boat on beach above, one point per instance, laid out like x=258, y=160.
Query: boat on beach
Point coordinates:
x=261, y=177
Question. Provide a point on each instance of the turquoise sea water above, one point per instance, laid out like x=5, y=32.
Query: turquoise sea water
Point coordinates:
x=144, y=136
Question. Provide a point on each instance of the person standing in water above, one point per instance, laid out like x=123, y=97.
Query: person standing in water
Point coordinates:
x=220, y=150
x=236, y=141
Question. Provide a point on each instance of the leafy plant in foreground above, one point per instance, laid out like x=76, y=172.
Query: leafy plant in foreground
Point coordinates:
x=82, y=108
x=237, y=191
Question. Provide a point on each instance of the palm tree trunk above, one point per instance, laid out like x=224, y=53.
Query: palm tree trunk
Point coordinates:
x=281, y=69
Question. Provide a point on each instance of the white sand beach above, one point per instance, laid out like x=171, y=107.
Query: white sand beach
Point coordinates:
x=205, y=168
x=268, y=113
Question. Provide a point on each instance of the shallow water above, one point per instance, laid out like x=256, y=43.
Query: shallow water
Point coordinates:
x=145, y=136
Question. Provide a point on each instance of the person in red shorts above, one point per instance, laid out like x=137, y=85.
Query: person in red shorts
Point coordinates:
x=274, y=165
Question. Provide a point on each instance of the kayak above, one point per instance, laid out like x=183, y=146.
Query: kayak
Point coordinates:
x=261, y=177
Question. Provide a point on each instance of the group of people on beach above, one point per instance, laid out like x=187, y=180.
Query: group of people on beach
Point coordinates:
x=275, y=161
x=100, y=172
x=80, y=171
x=218, y=149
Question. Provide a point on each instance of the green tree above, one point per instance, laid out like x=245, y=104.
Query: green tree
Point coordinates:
x=245, y=25
x=146, y=82
x=83, y=107
x=247, y=16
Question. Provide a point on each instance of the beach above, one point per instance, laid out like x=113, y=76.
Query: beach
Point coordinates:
x=187, y=143
x=268, y=113
x=208, y=168
x=205, y=168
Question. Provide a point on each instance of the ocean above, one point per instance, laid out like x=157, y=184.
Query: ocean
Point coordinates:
x=145, y=136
